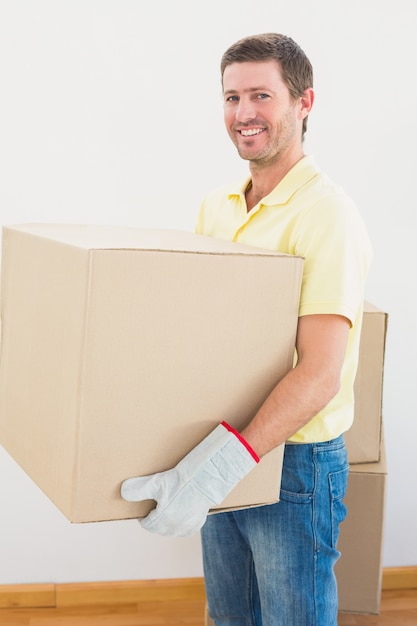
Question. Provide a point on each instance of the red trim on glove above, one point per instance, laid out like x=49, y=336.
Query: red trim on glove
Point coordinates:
x=242, y=441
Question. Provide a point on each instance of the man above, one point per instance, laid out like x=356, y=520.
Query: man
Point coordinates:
x=273, y=565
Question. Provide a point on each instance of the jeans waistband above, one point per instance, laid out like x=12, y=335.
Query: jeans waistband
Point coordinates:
x=318, y=444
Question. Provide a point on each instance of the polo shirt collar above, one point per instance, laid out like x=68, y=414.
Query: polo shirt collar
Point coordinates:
x=299, y=175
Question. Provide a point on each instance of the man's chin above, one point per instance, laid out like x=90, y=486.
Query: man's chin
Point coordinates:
x=251, y=156
x=246, y=154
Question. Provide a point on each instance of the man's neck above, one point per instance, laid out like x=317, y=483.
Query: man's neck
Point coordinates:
x=266, y=178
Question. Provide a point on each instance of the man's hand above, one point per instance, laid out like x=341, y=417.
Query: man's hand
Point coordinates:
x=201, y=480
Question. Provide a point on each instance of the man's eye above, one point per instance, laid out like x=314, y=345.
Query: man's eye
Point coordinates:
x=262, y=96
x=232, y=99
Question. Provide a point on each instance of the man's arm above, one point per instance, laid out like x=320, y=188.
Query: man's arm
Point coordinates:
x=306, y=389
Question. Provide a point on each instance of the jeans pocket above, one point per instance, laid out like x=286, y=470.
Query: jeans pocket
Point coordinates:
x=337, y=484
x=297, y=486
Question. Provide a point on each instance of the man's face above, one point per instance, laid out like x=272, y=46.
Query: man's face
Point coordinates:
x=262, y=119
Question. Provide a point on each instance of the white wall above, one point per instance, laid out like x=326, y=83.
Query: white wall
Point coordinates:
x=110, y=112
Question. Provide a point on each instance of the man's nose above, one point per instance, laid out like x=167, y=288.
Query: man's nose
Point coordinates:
x=245, y=111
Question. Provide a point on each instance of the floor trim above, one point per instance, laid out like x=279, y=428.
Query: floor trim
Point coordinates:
x=127, y=591
x=399, y=578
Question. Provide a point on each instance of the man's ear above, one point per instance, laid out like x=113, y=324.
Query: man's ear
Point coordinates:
x=306, y=102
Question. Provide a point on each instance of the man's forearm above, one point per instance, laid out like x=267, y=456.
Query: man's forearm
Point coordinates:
x=296, y=399
x=306, y=389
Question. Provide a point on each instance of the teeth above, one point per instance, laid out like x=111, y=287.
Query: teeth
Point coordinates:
x=251, y=131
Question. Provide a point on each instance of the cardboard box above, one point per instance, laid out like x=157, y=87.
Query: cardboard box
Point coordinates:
x=359, y=570
x=363, y=440
x=123, y=348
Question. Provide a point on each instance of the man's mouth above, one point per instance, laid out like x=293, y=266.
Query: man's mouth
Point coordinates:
x=250, y=132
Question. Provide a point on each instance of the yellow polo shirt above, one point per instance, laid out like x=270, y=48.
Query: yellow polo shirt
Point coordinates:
x=310, y=216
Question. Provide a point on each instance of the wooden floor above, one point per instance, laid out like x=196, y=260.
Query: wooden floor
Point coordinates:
x=398, y=608
x=143, y=614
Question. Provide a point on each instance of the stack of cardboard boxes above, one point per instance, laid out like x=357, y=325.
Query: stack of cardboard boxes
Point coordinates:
x=122, y=348
x=359, y=570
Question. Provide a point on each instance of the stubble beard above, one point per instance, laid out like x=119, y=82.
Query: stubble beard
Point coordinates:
x=264, y=157
x=275, y=147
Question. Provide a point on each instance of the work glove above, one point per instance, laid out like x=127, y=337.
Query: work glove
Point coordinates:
x=201, y=480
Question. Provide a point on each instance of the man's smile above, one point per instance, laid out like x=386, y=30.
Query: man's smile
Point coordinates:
x=249, y=132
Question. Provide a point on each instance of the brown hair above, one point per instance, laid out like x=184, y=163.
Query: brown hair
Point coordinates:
x=296, y=69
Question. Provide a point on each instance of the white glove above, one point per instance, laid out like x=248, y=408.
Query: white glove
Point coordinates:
x=201, y=480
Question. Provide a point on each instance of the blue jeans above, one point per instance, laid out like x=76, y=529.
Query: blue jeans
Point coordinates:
x=273, y=565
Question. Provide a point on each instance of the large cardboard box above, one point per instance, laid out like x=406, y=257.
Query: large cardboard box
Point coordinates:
x=363, y=440
x=359, y=570
x=123, y=348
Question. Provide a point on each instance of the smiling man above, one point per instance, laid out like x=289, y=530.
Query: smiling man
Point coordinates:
x=274, y=565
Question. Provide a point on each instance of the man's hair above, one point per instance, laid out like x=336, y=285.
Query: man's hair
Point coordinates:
x=296, y=69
